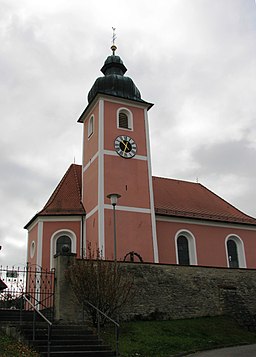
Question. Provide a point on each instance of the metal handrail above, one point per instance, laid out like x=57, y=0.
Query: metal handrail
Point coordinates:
x=49, y=324
x=117, y=325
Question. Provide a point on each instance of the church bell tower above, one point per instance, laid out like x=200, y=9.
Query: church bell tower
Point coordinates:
x=116, y=159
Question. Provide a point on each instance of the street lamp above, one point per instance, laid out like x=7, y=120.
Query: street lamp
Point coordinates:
x=113, y=199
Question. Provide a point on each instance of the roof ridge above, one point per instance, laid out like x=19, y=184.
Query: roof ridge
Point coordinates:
x=77, y=184
x=228, y=203
x=173, y=179
x=76, y=179
x=57, y=189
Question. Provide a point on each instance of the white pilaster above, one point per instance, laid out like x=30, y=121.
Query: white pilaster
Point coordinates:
x=151, y=194
x=101, y=179
x=39, y=243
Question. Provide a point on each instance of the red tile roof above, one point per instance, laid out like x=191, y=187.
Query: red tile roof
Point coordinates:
x=66, y=198
x=174, y=198
x=178, y=198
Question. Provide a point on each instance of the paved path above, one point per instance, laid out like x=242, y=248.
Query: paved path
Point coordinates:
x=238, y=351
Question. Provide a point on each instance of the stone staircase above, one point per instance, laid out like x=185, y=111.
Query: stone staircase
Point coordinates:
x=66, y=340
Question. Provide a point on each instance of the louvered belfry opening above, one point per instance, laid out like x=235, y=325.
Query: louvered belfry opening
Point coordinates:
x=123, y=120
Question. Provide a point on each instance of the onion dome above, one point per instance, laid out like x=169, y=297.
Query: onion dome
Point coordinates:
x=114, y=81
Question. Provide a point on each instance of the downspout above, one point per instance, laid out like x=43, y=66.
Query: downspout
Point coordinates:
x=83, y=215
x=82, y=233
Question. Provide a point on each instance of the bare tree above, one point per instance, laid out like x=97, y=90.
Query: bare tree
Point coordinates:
x=105, y=284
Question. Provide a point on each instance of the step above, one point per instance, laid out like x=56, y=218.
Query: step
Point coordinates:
x=14, y=315
x=57, y=332
x=80, y=354
x=97, y=342
x=59, y=337
x=69, y=326
x=69, y=348
x=66, y=340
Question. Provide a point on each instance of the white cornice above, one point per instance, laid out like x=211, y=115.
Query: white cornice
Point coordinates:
x=111, y=99
x=127, y=101
x=94, y=210
x=87, y=165
x=87, y=111
x=53, y=219
x=114, y=153
x=205, y=223
x=128, y=209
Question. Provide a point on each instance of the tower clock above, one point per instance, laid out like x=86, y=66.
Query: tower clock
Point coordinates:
x=125, y=146
x=116, y=158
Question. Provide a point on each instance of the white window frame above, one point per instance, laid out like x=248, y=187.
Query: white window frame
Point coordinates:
x=191, y=246
x=90, y=129
x=129, y=116
x=54, y=238
x=240, y=250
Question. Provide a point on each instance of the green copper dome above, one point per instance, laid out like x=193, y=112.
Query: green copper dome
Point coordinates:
x=114, y=82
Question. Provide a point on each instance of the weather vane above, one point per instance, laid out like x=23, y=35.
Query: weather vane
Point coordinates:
x=113, y=47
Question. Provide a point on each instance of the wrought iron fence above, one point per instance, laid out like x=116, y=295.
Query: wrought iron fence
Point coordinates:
x=33, y=281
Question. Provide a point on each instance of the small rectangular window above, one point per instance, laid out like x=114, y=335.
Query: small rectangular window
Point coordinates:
x=90, y=126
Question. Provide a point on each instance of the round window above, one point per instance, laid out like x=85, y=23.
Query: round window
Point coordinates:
x=32, y=249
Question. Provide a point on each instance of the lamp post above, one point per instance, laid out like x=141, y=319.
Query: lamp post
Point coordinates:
x=113, y=199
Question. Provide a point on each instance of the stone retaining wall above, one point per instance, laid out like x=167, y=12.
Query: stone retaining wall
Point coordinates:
x=171, y=291
x=177, y=292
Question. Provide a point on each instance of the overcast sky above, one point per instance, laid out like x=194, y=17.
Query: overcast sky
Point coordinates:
x=195, y=59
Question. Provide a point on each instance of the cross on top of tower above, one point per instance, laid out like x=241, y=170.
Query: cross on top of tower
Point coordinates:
x=113, y=47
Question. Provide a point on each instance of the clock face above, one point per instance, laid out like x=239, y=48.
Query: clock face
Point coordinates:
x=125, y=146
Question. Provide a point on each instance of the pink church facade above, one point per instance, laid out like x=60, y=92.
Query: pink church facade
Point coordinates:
x=158, y=220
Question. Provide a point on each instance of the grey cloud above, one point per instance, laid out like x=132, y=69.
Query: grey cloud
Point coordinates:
x=194, y=60
x=235, y=157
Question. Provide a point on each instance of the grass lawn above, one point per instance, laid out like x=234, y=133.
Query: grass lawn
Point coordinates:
x=167, y=338
x=159, y=338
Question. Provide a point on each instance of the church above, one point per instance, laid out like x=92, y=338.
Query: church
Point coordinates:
x=112, y=203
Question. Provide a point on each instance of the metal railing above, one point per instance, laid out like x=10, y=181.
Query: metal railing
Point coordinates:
x=49, y=324
x=117, y=326
x=31, y=280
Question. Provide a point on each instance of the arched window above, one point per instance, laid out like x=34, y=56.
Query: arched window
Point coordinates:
x=61, y=241
x=58, y=239
x=232, y=254
x=185, y=248
x=90, y=126
x=124, y=119
x=235, y=252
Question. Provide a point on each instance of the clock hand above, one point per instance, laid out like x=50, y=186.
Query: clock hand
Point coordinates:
x=125, y=145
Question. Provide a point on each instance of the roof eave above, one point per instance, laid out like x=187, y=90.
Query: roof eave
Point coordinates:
x=104, y=95
x=56, y=214
x=207, y=219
